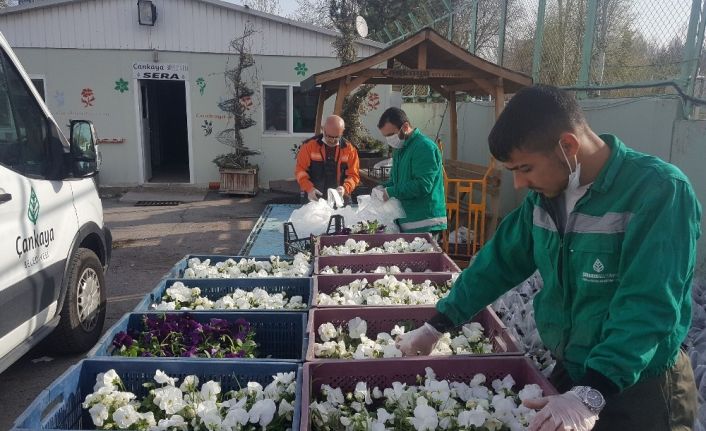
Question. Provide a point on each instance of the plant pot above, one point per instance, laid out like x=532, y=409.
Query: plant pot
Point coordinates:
x=239, y=181
x=214, y=185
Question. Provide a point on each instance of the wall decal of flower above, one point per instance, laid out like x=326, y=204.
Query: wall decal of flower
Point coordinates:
x=87, y=97
x=373, y=101
x=121, y=85
x=301, y=69
x=207, y=127
x=59, y=98
x=202, y=85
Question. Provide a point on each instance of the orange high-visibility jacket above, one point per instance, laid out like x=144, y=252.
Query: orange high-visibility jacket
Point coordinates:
x=311, y=166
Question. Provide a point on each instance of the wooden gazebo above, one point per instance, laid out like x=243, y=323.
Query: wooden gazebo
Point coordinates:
x=427, y=58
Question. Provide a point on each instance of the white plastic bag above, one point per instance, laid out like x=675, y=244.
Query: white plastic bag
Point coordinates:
x=313, y=217
x=375, y=209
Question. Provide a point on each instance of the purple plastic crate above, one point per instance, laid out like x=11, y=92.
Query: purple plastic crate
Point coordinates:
x=376, y=240
x=329, y=283
x=367, y=263
x=384, y=319
x=345, y=374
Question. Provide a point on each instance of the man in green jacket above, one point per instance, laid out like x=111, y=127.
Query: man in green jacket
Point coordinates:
x=613, y=233
x=416, y=176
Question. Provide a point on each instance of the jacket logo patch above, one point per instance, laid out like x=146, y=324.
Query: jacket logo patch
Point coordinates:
x=315, y=156
x=598, y=266
x=599, y=275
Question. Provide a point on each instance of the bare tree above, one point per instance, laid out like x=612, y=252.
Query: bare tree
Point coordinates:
x=315, y=12
x=267, y=6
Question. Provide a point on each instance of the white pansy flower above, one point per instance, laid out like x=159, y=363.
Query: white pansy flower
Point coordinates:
x=163, y=379
x=109, y=379
x=425, y=417
x=236, y=417
x=475, y=417
x=357, y=327
x=169, y=399
x=125, y=416
x=262, y=412
x=285, y=408
x=174, y=422
x=327, y=331
x=210, y=390
x=530, y=392
x=99, y=414
x=189, y=384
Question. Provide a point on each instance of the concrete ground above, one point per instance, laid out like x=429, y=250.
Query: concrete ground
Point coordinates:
x=147, y=241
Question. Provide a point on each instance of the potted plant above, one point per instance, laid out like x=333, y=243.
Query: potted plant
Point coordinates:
x=238, y=176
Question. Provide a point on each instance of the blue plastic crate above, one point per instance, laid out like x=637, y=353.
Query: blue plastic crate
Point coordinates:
x=214, y=288
x=177, y=270
x=59, y=408
x=279, y=336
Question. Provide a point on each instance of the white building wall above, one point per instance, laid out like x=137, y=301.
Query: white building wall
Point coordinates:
x=114, y=113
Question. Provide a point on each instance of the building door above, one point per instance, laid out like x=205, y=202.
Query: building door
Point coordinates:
x=164, y=131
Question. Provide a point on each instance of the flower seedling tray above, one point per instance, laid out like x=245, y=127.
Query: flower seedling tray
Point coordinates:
x=279, y=336
x=215, y=288
x=59, y=408
x=345, y=374
x=329, y=283
x=178, y=269
x=384, y=319
x=375, y=240
x=367, y=263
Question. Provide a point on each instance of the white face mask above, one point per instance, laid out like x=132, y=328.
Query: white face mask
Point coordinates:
x=575, y=175
x=394, y=140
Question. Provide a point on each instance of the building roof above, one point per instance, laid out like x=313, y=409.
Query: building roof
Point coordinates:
x=51, y=19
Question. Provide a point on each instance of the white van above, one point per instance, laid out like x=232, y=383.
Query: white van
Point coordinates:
x=54, y=247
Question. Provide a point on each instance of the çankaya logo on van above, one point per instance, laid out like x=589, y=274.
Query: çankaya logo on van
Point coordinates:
x=37, y=239
x=598, y=276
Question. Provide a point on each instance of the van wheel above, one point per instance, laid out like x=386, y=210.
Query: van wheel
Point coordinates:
x=83, y=313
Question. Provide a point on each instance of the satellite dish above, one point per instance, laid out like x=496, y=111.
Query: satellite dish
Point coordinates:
x=361, y=26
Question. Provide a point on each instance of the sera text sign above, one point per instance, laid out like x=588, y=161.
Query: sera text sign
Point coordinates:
x=161, y=71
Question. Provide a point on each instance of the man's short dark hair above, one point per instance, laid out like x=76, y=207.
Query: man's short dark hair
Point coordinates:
x=394, y=116
x=533, y=120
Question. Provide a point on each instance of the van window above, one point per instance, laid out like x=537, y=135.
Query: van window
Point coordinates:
x=26, y=145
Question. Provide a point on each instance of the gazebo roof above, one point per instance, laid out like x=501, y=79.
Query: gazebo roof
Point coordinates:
x=428, y=59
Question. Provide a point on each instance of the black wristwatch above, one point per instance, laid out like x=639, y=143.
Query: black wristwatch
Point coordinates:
x=591, y=398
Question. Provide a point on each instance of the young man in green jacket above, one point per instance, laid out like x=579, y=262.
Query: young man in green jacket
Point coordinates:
x=613, y=233
x=416, y=177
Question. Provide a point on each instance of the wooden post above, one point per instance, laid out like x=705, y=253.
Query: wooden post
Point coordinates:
x=453, y=125
x=499, y=98
x=340, y=96
x=320, y=110
x=499, y=105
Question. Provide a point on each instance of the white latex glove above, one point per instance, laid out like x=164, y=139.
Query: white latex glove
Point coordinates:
x=314, y=195
x=341, y=190
x=561, y=412
x=420, y=341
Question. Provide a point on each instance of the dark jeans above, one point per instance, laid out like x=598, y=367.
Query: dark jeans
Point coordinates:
x=666, y=402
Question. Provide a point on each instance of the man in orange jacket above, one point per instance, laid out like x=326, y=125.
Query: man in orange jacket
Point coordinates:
x=327, y=161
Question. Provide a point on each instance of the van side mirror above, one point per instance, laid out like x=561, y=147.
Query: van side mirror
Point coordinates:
x=84, y=157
